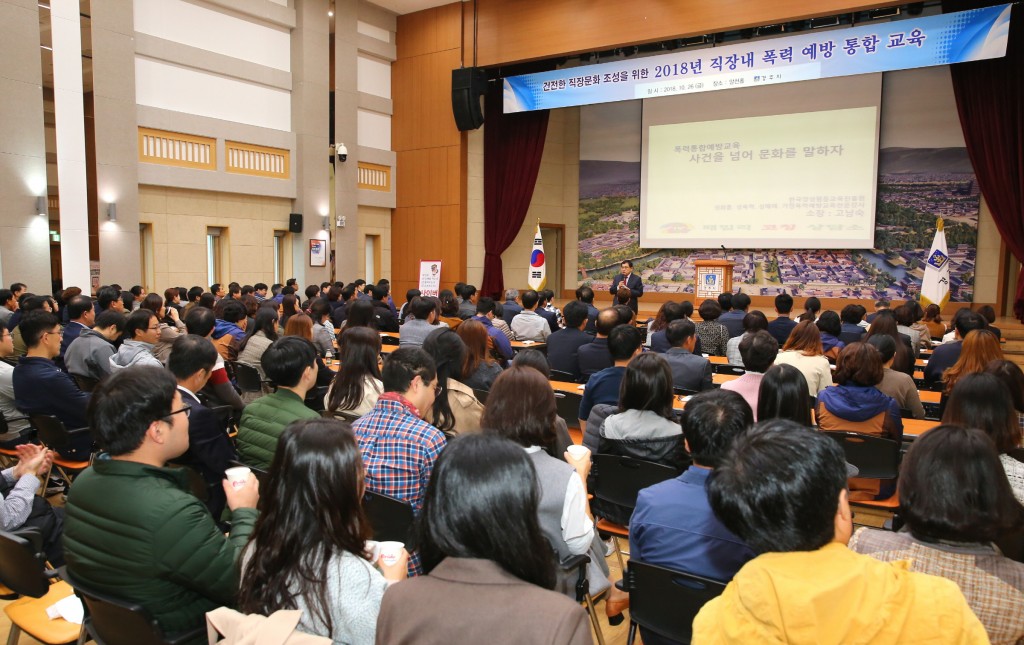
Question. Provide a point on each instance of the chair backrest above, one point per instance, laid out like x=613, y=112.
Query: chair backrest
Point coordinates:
x=666, y=601
x=568, y=405
x=481, y=396
x=391, y=518
x=248, y=378
x=620, y=479
x=875, y=457
x=22, y=565
x=559, y=375
x=85, y=383
x=734, y=370
x=389, y=340
x=315, y=398
x=683, y=391
x=225, y=417
x=51, y=431
x=114, y=621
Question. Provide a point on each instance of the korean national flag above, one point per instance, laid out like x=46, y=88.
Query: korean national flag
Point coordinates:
x=538, y=273
x=935, y=287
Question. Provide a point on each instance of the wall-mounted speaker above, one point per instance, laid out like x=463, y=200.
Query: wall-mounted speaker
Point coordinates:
x=295, y=223
x=468, y=87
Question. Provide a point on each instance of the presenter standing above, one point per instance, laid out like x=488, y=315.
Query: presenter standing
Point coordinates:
x=629, y=280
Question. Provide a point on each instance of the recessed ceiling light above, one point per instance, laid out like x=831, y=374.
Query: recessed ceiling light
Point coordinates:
x=330, y=14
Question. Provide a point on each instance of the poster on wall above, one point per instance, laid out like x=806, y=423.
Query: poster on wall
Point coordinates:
x=318, y=253
x=94, y=275
x=430, y=277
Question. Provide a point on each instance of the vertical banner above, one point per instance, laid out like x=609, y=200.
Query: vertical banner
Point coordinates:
x=538, y=271
x=430, y=277
x=935, y=286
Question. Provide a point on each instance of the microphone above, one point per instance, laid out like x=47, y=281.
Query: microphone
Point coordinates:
x=723, y=246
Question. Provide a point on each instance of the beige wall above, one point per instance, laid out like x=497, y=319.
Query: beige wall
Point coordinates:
x=986, y=268
x=180, y=218
x=372, y=221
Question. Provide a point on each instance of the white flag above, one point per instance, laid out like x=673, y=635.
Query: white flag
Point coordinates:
x=935, y=286
x=538, y=272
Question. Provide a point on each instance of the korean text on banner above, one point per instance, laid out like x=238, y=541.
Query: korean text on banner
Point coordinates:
x=430, y=277
x=935, y=286
x=538, y=278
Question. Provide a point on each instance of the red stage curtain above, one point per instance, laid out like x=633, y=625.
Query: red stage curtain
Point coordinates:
x=513, y=145
x=990, y=99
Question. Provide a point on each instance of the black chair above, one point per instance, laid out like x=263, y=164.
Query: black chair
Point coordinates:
x=85, y=383
x=568, y=405
x=261, y=475
x=932, y=411
x=54, y=435
x=23, y=569
x=391, y=518
x=619, y=480
x=665, y=601
x=225, y=415
x=875, y=457
x=682, y=391
x=112, y=621
x=481, y=396
x=559, y=375
x=734, y=370
x=581, y=587
x=248, y=378
x=315, y=398
x=389, y=340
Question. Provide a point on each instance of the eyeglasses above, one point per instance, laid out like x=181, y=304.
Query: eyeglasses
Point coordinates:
x=437, y=390
x=185, y=408
x=59, y=332
x=157, y=328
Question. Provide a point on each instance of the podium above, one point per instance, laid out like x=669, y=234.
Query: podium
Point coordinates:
x=711, y=277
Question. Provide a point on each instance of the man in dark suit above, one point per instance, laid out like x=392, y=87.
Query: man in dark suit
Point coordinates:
x=209, y=449
x=81, y=315
x=564, y=344
x=510, y=307
x=549, y=316
x=673, y=311
x=586, y=296
x=733, y=319
x=781, y=327
x=945, y=356
x=595, y=356
x=689, y=371
x=880, y=305
x=852, y=331
x=631, y=281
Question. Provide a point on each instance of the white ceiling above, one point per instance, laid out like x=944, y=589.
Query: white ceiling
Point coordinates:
x=409, y=6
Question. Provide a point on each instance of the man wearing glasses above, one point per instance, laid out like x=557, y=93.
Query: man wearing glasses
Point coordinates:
x=133, y=529
x=41, y=388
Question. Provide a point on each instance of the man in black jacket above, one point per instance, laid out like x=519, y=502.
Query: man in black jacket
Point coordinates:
x=564, y=344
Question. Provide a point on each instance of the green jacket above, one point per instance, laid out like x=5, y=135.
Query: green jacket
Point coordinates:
x=136, y=532
x=262, y=423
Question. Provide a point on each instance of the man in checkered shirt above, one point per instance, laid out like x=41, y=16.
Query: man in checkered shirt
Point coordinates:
x=399, y=448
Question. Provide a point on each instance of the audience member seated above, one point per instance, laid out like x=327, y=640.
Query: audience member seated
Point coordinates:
x=897, y=385
x=479, y=531
x=586, y=296
x=171, y=325
x=603, y=387
x=783, y=324
x=752, y=322
x=291, y=364
x=956, y=503
x=782, y=489
x=290, y=306
x=535, y=359
x=733, y=317
x=689, y=371
x=1013, y=378
x=487, y=315
x=523, y=410
x=946, y=355
x=830, y=327
x=41, y=388
x=219, y=390
x=421, y=319
x=856, y=405
x=812, y=307
x=804, y=351
x=133, y=528
x=979, y=348
x=983, y=401
x=386, y=319
x=564, y=345
x=449, y=309
x=360, y=314
x=398, y=447
x=989, y=314
x=467, y=309
x=479, y=369
x=229, y=331
x=357, y=385
x=670, y=311
x=713, y=335
x=210, y=450
x=880, y=306
x=29, y=304
x=546, y=311
x=498, y=321
x=323, y=330
x=643, y=425
x=308, y=550
x=908, y=317
x=8, y=305
x=933, y=320
x=89, y=355
x=81, y=316
x=594, y=356
x=18, y=429
x=511, y=305
x=783, y=395
x=673, y=525
x=21, y=508
x=301, y=325
x=340, y=311
x=258, y=337
x=758, y=351
x=885, y=324
x=851, y=330
x=456, y=410
x=141, y=333
x=528, y=324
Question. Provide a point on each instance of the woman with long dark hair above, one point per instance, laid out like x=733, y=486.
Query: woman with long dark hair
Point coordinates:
x=479, y=369
x=260, y=335
x=933, y=319
x=456, y=409
x=783, y=395
x=449, y=309
x=479, y=530
x=357, y=385
x=360, y=314
x=308, y=548
x=1013, y=378
x=885, y=323
x=289, y=308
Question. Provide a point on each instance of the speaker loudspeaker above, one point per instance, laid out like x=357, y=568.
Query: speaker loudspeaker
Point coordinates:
x=468, y=87
x=295, y=223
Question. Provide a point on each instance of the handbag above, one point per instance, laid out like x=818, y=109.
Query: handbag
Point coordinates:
x=226, y=626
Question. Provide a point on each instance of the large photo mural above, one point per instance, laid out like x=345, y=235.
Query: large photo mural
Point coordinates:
x=923, y=173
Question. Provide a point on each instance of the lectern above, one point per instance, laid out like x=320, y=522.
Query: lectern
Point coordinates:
x=712, y=277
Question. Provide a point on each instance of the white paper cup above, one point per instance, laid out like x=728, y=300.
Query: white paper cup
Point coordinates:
x=238, y=476
x=578, y=452
x=373, y=548
x=390, y=551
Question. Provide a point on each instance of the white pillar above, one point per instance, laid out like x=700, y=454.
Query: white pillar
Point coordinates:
x=70, y=122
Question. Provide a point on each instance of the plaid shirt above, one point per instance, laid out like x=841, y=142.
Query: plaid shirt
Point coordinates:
x=992, y=584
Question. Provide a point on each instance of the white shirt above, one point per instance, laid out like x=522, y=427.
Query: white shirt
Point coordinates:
x=577, y=528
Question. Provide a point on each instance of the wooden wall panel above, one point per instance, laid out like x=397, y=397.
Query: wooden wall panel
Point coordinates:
x=511, y=31
x=429, y=222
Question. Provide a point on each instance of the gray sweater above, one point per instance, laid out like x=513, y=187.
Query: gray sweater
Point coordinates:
x=89, y=355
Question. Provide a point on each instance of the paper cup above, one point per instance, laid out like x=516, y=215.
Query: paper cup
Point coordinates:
x=238, y=476
x=373, y=548
x=578, y=452
x=390, y=552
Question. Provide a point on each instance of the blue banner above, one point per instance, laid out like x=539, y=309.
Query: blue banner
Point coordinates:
x=920, y=42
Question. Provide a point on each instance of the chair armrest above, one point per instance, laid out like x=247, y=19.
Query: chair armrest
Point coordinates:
x=574, y=561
